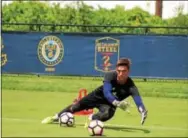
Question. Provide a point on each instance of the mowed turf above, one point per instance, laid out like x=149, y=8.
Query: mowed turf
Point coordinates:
x=23, y=110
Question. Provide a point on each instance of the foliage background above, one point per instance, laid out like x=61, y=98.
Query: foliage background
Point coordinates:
x=35, y=12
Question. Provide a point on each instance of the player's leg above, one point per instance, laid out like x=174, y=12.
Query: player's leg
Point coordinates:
x=85, y=103
x=88, y=102
x=105, y=113
x=73, y=108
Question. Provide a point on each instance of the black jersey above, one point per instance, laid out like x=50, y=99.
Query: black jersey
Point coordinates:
x=119, y=91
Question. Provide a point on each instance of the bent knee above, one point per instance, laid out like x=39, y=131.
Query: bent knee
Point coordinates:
x=106, y=116
x=75, y=107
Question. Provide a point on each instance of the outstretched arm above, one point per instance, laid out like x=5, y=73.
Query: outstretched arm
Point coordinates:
x=138, y=101
x=107, y=87
x=107, y=90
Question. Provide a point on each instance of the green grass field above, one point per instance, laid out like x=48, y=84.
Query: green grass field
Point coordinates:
x=26, y=100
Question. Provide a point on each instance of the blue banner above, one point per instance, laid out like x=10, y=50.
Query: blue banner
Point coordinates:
x=93, y=54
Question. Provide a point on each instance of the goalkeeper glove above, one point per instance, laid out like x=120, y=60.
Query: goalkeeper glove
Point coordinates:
x=121, y=104
x=143, y=117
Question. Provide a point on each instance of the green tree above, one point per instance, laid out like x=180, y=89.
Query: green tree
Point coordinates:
x=79, y=13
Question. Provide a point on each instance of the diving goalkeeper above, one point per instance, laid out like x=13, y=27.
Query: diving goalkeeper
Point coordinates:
x=117, y=86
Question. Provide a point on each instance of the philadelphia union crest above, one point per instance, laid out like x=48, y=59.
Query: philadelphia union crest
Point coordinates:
x=50, y=52
x=106, y=54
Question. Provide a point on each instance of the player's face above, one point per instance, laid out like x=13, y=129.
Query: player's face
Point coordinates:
x=122, y=73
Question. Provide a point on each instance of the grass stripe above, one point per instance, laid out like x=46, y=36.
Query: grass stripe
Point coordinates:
x=106, y=125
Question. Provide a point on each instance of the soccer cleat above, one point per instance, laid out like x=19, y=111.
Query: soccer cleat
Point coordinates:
x=50, y=119
x=47, y=120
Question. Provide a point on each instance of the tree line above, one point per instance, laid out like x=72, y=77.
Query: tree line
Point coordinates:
x=79, y=13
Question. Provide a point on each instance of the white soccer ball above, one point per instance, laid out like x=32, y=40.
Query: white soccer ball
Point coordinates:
x=67, y=119
x=95, y=128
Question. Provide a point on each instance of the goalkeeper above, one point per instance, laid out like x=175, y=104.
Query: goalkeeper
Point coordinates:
x=117, y=86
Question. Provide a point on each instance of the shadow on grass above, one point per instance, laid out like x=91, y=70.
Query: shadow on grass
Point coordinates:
x=117, y=128
x=127, y=129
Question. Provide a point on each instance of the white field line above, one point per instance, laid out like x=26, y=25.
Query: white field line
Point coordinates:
x=108, y=125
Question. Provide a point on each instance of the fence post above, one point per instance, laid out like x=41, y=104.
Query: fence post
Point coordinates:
x=53, y=28
x=146, y=30
x=39, y=27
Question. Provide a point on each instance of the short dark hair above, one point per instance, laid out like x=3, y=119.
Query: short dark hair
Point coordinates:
x=124, y=62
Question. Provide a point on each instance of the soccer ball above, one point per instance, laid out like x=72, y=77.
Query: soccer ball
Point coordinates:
x=67, y=119
x=95, y=128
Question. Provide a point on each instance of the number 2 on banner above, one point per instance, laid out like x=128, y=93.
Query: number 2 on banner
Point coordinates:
x=106, y=62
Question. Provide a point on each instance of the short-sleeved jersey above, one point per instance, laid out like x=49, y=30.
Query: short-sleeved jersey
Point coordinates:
x=118, y=90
